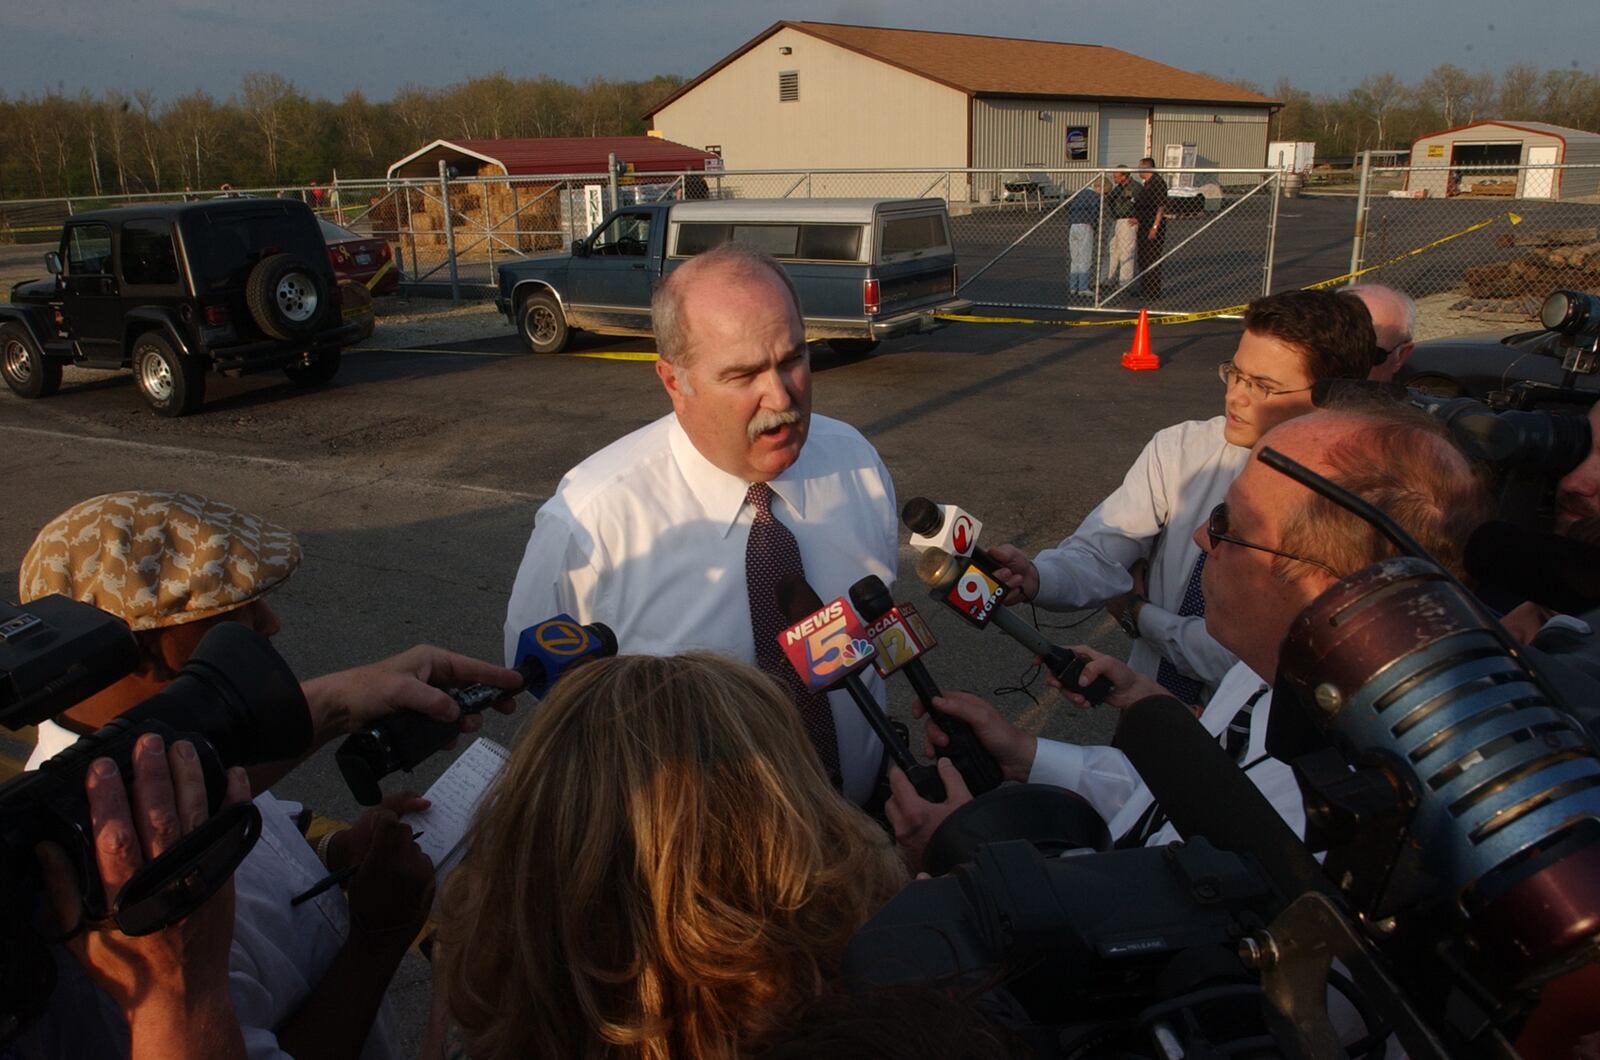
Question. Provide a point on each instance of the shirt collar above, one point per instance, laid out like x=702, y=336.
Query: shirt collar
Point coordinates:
x=720, y=494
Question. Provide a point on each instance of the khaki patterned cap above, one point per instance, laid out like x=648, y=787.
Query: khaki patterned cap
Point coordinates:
x=158, y=558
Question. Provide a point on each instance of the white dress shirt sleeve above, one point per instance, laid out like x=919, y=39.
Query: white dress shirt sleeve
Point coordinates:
x=1091, y=566
x=1185, y=642
x=556, y=577
x=1103, y=775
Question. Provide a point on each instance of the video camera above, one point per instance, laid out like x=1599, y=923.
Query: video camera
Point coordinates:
x=235, y=700
x=1457, y=804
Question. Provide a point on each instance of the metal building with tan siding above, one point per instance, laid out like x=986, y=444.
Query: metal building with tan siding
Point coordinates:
x=1484, y=157
x=818, y=95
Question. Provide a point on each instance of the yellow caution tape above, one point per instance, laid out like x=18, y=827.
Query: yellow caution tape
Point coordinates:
x=1232, y=310
x=379, y=274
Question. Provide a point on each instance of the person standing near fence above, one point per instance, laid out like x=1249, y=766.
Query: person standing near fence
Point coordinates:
x=1083, y=216
x=1124, y=229
x=1150, y=213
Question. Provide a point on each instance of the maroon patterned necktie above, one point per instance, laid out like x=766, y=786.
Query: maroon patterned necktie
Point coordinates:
x=1193, y=604
x=771, y=556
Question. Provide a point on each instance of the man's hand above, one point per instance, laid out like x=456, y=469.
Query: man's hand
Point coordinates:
x=1013, y=750
x=915, y=819
x=1018, y=574
x=352, y=699
x=391, y=893
x=171, y=985
x=350, y=845
x=1127, y=687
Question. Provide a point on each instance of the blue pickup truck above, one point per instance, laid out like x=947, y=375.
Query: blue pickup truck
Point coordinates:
x=866, y=269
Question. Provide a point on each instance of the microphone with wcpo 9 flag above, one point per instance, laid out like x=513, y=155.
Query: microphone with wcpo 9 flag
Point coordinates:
x=901, y=636
x=828, y=646
x=399, y=742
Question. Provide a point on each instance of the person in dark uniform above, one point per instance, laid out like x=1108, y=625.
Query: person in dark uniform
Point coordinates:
x=1150, y=210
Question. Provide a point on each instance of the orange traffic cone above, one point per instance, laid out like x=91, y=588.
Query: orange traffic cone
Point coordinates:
x=1139, y=358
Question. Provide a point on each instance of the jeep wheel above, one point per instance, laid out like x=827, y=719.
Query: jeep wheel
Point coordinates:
x=285, y=296
x=853, y=347
x=313, y=368
x=170, y=383
x=542, y=324
x=23, y=364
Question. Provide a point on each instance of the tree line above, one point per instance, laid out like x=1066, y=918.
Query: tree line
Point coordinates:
x=1385, y=112
x=270, y=132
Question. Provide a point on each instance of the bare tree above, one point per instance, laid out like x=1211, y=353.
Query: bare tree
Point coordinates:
x=265, y=98
x=149, y=134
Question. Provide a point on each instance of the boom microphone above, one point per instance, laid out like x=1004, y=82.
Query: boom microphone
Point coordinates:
x=948, y=527
x=401, y=741
x=974, y=595
x=900, y=637
x=1549, y=569
x=827, y=646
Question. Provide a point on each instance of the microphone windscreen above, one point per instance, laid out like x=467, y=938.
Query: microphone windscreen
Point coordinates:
x=1205, y=793
x=1516, y=563
x=870, y=597
x=921, y=516
x=937, y=569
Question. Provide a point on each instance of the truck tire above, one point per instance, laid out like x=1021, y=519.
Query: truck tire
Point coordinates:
x=171, y=383
x=28, y=373
x=286, y=296
x=853, y=347
x=315, y=368
x=542, y=324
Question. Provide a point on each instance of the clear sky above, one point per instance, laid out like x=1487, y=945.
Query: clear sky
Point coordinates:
x=328, y=47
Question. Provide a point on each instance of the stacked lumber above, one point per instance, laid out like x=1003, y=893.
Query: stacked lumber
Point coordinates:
x=1553, y=257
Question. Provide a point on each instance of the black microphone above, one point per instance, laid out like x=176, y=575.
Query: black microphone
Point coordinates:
x=799, y=602
x=885, y=621
x=948, y=577
x=948, y=527
x=1549, y=569
x=1203, y=792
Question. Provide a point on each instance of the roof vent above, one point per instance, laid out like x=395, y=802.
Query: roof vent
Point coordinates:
x=788, y=86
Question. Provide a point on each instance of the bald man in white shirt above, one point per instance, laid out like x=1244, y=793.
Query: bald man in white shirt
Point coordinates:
x=653, y=536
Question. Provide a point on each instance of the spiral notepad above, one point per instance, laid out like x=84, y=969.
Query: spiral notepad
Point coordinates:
x=455, y=797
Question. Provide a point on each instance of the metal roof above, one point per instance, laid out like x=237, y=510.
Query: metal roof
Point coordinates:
x=558, y=154
x=1008, y=66
x=767, y=210
x=1543, y=128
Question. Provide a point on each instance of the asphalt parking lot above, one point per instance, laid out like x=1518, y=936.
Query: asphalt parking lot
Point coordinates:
x=413, y=478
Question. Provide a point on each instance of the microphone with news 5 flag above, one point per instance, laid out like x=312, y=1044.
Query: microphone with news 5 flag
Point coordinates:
x=401, y=741
x=828, y=647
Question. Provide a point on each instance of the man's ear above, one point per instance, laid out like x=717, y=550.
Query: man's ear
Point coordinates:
x=670, y=381
x=1402, y=354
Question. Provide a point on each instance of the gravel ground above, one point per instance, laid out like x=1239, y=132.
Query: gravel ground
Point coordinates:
x=404, y=323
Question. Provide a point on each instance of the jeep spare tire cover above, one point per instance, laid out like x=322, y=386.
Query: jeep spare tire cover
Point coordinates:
x=286, y=296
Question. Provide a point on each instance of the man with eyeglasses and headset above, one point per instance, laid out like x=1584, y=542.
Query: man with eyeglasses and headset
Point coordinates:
x=1272, y=546
x=1134, y=553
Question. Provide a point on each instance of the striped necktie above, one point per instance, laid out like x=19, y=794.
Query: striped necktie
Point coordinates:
x=772, y=555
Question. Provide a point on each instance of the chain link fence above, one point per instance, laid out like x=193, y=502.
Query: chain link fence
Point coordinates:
x=1479, y=247
x=1014, y=232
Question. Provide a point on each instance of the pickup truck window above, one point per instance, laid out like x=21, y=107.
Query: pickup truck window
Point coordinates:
x=786, y=242
x=628, y=234
x=89, y=250
x=914, y=235
x=147, y=254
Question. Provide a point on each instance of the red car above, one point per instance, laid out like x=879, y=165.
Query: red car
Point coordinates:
x=358, y=258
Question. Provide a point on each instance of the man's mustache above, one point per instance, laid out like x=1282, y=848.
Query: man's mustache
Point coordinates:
x=768, y=419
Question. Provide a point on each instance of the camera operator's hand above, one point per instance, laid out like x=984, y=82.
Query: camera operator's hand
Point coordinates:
x=171, y=985
x=1018, y=575
x=351, y=699
x=350, y=845
x=915, y=819
x=1127, y=687
x=1013, y=750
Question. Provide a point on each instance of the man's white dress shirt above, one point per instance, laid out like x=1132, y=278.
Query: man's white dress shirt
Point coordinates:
x=648, y=537
x=1105, y=777
x=279, y=952
x=1182, y=473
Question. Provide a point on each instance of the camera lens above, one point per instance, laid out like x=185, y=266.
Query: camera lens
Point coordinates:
x=1568, y=311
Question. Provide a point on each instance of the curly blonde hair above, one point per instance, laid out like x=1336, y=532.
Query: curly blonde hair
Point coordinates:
x=661, y=871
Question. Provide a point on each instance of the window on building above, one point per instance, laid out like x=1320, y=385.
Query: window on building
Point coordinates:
x=788, y=86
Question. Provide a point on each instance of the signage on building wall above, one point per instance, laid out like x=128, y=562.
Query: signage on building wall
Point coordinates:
x=1077, y=143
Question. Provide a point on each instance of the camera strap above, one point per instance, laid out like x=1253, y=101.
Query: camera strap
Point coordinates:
x=181, y=879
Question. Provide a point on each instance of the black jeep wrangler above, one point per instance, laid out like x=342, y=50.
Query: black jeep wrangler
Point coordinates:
x=174, y=290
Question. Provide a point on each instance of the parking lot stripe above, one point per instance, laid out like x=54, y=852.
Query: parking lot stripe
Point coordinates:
x=267, y=461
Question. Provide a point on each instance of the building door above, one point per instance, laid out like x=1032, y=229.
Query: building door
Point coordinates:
x=1122, y=135
x=1540, y=183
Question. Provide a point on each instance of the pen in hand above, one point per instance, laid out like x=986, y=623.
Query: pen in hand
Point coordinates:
x=334, y=879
